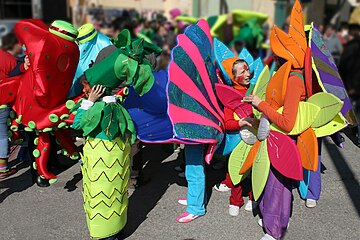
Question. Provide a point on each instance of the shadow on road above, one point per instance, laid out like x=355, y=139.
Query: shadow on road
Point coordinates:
x=145, y=198
x=15, y=184
x=162, y=175
x=347, y=176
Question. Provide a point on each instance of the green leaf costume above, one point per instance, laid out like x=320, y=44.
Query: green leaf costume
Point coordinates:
x=110, y=132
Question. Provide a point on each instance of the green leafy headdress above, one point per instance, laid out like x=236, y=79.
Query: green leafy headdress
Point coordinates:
x=126, y=64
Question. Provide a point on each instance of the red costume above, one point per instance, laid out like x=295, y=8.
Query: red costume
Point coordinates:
x=7, y=63
x=38, y=97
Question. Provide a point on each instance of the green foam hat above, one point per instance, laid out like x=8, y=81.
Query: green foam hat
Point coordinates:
x=64, y=30
x=103, y=73
x=86, y=33
x=127, y=63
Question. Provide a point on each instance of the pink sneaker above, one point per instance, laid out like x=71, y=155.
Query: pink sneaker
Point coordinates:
x=182, y=201
x=186, y=217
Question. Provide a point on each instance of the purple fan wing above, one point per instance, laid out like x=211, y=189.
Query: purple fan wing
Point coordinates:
x=328, y=72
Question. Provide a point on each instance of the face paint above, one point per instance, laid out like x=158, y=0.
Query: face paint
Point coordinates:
x=246, y=67
x=240, y=79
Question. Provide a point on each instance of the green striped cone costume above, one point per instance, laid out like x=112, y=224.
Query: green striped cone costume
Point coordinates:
x=110, y=132
x=106, y=172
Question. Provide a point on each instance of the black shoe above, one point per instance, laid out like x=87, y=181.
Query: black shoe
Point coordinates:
x=142, y=180
x=42, y=182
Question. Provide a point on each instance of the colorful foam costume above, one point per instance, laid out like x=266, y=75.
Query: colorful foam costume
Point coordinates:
x=38, y=97
x=90, y=44
x=182, y=106
x=232, y=99
x=297, y=109
x=110, y=132
x=185, y=110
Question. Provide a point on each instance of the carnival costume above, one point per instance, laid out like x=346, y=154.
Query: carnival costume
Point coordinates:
x=90, y=43
x=275, y=159
x=234, y=110
x=110, y=132
x=183, y=108
x=38, y=97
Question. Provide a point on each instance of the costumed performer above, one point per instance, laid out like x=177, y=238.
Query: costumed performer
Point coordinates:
x=110, y=132
x=239, y=73
x=8, y=67
x=90, y=43
x=275, y=203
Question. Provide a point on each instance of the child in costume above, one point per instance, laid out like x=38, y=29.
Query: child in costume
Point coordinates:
x=275, y=205
x=110, y=132
x=106, y=159
x=8, y=68
x=40, y=104
x=90, y=43
x=239, y=73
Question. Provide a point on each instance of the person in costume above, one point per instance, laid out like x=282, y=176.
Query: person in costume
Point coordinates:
x=90, y=43
x=9, y=66
x=276, y=216
x=240, y=77
x=181, y=109
x=236, y=110
x=196, y=179
x=109, y=132
x=40, y=104
x=310, y=188
x=275, y=203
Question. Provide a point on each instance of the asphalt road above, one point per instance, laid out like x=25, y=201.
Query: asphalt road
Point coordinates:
x=30, y=212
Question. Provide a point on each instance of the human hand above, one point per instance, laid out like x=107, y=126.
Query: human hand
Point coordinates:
x=248, y=121
x=26, y=63
x=96, y=93
x=245, y=122
x=253, y=99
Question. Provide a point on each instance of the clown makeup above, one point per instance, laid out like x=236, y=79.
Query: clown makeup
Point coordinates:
x=241, y=73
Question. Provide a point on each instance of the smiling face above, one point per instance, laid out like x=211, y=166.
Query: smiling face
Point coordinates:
x=241, y=73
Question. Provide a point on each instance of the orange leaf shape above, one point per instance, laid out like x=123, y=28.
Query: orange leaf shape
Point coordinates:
x=291, y=46
x=250, y=158
x=276, y=89
x=308, y=147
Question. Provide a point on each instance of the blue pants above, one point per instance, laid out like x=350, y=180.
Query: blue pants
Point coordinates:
x=195, y=176
x=4, y=142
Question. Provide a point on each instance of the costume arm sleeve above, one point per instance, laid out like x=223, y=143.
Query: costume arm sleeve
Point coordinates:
x=85, y=105
x=230, y=122
x=19, y=68
x=286, y=120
